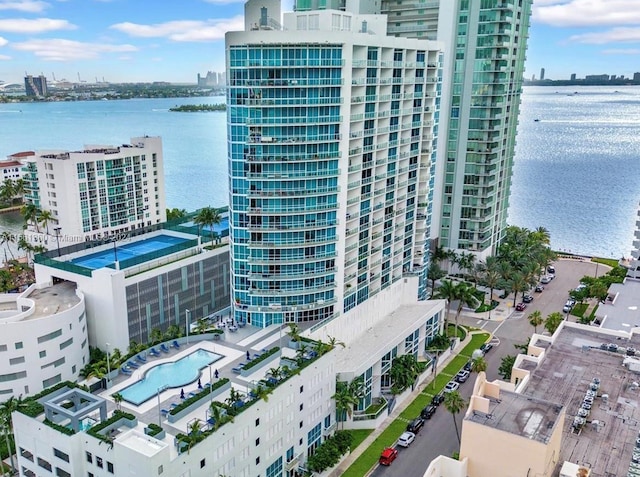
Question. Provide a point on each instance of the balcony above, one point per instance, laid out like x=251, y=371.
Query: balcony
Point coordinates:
x=293, y=463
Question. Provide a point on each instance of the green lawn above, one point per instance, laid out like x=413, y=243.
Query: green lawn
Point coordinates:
x=390, y=435
x=359, y=435
x=579, y=309
x=613, y=263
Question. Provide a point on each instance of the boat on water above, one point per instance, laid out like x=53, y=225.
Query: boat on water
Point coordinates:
x=536, y=120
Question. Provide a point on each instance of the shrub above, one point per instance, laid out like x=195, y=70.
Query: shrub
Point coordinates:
x=261, y=358
x=204, y=392
x=154, y=429
x=59, y=428
x=329, y=452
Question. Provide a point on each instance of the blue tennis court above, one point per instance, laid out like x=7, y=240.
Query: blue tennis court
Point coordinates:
x=126, y=251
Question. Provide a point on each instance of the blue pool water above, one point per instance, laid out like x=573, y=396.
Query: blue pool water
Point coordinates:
x=125, y=251
x=172, y=375
x=220, y=228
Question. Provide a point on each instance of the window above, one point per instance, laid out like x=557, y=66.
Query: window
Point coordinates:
x=99, y=462
x=160, y=469
x=89, y=457
x=19, y=345
x=62, y=473
x=18, y=360
x=202, y=463
x=257, y=422
x=301, y=389
x=300, y=424
x=109, y=467
x=43, y=354
x=301, y=406
x=61, y=455
x=44, y=464
x=258, y=441
x=257, y=460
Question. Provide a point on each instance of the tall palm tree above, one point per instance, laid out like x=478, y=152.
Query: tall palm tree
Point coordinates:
x=30, y=213
x=465, y=296
x=536, y=319
x=261, y=392
x=44, y=218
x=117, y=399
x=492, y=277
x=7, y=238
x=208, y=216
x=446, y=291
x=23, y=244
x=434, y=273
x=542, y=235
x=7, y=408
x=345, y=401
x=454, y=403
x=19, y=187
x=518, y=284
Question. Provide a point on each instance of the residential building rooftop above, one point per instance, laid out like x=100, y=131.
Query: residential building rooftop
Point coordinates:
x=621, y=310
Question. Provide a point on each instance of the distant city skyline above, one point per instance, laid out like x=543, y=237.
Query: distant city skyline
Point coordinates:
x=141, y=41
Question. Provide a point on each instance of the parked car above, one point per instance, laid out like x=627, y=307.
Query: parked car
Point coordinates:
x=451, y=386
x=415, y=425
x=551, y=269
x=437, y=399
x=521, y=306
x=527, y=298
x=486, y=347
x=567, y=306
x=428, y=411
x=388, y=455
x=406, y=439
x=546, y=279
x=539, y=288
x=468, y=365
x=462, y=376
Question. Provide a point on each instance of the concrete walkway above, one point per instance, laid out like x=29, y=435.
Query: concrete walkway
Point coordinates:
x=364, y=445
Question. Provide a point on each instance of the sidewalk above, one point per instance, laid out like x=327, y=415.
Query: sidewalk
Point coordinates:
x=364, y=445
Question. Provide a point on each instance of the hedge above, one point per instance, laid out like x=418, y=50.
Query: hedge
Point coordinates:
x=204, y=392
x=154, y=429
x=117, y=415
x=253, y=363
x=59, y=428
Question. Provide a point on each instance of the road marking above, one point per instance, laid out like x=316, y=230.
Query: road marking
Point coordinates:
x=480, y=321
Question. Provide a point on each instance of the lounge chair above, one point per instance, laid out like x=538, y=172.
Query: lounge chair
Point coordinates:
x=164, y=412
x=175, y=344
x=141, y=358
x=154, y=352
x=173, y=404
x=132, y=364
x=211, y=421
x=164, y=348
x=124, y=370
x=236, y=370
x=191, y=394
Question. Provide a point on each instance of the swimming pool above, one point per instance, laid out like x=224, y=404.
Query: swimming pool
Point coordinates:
x=125, y=251
x=172, y=375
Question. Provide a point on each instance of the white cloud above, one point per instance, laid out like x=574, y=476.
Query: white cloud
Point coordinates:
x=184, y=30
x=3, y=41
x=4, y=58
x=38, y=25
x=630, y=51
x=586, y=12
x=614, y=35
x=58, y=49
x=29, y=6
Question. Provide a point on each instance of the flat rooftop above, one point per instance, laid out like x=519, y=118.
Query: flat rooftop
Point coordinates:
x=383, y=335
x=606, y=442
x=624, y=312
x=521, y=415
x=53, y=299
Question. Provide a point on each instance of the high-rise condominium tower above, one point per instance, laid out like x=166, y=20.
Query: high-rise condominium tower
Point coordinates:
x=485, y=43
x=331, y=131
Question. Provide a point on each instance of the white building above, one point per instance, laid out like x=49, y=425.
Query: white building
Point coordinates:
x=12, y=167
x=330, y=150
x=98, y=191
x=634, y=267
x=43, y=338
x=154, y=280
x=270, y=437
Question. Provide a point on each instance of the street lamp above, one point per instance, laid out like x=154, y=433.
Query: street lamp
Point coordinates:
x=57, y=231
x=188, y=320
x=108, y=366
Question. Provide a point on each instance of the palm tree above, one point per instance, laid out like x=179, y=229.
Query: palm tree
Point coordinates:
x=7, y=238
x=18, y=187
x=261, y=392
x=454, y=403
x=446, y=291
x=542, y=235
x=536, y=320
x=44, y=218
x=333, y=342
x=23, y=244
x=30, y=213
x=175, y=213
x=553, y=321
x=7, y=408
x=465, y=296
x=117, y=399
x=276, y=373
x=434, y=273
x=478, y=364
x=217, y=414
x=294, y=332
x=156, y=335
x=208, y=216
x=345, y=401
x=201, y=326
x=518, y=284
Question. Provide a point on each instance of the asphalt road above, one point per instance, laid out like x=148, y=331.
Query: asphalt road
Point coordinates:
x=438, y=436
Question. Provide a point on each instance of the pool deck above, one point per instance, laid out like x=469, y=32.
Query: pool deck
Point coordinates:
x=233, y=349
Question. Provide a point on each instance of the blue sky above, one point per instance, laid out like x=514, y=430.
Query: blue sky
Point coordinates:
x=174, y=40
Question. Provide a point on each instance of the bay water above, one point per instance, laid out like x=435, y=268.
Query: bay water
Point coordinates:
x=577, y=164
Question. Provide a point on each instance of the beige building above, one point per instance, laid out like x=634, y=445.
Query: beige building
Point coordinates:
x=499, y=419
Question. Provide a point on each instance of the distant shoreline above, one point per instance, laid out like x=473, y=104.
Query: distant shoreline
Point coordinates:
x=199, y=108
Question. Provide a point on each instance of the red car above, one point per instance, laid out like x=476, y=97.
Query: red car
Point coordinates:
x=521, y=306
x=388, y=455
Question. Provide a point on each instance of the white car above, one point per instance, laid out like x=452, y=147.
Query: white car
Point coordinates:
x=406, y=439
x=546, y=279
x=451, y=386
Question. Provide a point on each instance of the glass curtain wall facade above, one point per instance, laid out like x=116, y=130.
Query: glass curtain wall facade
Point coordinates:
x=486, y=72
x=330, y=155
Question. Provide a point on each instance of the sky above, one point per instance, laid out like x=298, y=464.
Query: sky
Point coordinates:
x=174, y=40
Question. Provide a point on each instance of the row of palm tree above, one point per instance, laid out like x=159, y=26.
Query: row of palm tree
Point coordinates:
x=7, y=408
x=33, y=215
x=521, y=259
x=551, y=322
x=11, y=190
